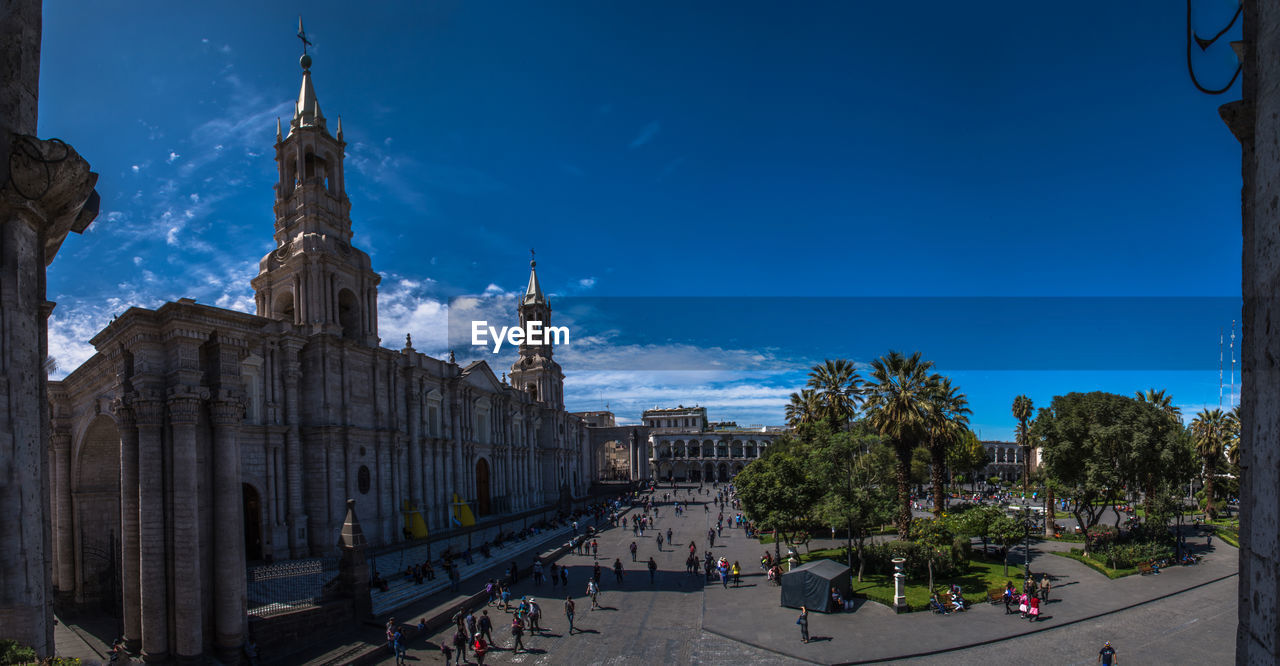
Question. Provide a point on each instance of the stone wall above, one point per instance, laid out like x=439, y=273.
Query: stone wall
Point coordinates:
x=1256, y=122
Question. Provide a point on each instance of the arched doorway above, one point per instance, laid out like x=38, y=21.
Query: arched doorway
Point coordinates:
x=722, y=472
x=96, y=515
x=708, y=472
x=252, y=523
x=482, y=487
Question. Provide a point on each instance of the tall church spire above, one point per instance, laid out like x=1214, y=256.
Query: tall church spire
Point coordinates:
x=535, y=371
x=533, y=293
x=315, y=278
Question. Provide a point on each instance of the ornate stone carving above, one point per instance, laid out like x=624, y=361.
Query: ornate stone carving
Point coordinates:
x=52, y=187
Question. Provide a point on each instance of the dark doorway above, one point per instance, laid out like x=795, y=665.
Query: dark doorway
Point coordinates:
x=252, y=524
x=482, y=487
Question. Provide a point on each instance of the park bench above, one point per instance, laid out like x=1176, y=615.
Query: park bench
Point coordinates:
x=1145, y=568
x=995, y=595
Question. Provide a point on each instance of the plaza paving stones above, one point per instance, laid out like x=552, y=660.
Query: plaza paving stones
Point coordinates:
x=678, y=620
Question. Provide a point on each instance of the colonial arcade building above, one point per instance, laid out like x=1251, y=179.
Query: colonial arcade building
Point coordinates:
x=199, y=438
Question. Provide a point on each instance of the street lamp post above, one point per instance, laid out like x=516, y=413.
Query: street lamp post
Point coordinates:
x=1026, y=547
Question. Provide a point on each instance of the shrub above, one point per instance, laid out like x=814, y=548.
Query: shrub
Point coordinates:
x=12, y=652
x=879, y=559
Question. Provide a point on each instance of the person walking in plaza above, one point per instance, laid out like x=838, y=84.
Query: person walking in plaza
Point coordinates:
x=535, y=615
x=633, y=551
x=517, y=635
x=485, y=626
x=659, y=542
x=555, y=578
x=1107, y=655
x=480, y=648
x=653, y=569
x=803, y=621
x=669, y=539
x=460, y=645
x=564, y=577
x=617, y=571
x=398, y=646
x=593, y=591
x=595, y=549
x=1008, y=597
x=568, y=612
x=595, y=573
x=736, y=573
x=1044, y=589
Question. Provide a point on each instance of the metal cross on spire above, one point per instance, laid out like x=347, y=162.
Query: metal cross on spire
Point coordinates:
x=302, y=34
x=532, y=257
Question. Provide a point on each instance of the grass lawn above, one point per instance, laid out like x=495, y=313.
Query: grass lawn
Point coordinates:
x=981, y=576
x=1092, y=564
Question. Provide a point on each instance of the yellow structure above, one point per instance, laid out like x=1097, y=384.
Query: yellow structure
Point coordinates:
x=413, y=521
x=462, y=513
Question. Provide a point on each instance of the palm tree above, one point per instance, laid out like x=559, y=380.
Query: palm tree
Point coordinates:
x=1233, y=453
x=836, y=383
x=803, y=408
x=1162, y=401
x=1022, y=412
x=947, y=418
x=1213, y=435
x=897, y=408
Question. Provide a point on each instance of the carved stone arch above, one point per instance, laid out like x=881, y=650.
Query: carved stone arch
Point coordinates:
x=349, y=314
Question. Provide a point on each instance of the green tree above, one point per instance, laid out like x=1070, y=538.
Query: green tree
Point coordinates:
x=935, y=535
x=856, y=473
x=1214, y=435
x=1161, y=401
x=1095, y=444
x=967, y=456
x=778, y=492
x=1022, y=412
x=836, y=384
x=946, y=419
x=978, y=522
x=804, y=407
x=896, y=402
x=1006, y=531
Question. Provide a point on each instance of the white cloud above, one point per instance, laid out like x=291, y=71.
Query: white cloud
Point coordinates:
x=587, y=283
x=135, y=168
x=173, y=156
x=647, y=133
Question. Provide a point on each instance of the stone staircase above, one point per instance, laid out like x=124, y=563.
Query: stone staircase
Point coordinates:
x=403, y=591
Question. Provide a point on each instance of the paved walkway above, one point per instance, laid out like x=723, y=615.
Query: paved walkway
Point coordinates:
x=679, y=620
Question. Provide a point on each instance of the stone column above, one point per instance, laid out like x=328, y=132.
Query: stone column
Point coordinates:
x=415, y=446
x=1255, y=121
x=65, y=565
x=47, y=192
x=188, y=623
x=297, y=515
x=130, y=595
x=153, y=567
x=229, y=603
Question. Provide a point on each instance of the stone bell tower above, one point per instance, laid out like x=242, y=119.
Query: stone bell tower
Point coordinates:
x=315, y=278
x=535, y=371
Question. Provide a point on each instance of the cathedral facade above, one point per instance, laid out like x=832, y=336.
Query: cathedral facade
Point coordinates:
x=198, y=439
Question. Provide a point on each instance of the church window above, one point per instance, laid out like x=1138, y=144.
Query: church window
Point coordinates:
x=363, y=480
x=349, y=314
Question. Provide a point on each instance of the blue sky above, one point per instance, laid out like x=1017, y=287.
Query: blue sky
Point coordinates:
x=717, y=161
